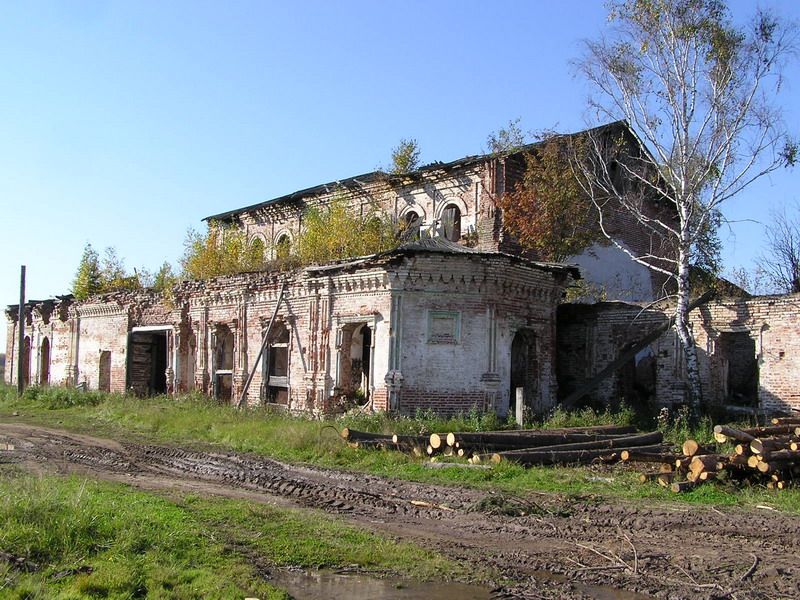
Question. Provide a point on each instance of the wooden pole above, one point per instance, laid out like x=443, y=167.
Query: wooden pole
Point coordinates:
x=21, y=333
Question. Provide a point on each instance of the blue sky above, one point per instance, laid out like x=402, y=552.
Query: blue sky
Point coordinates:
x=125, y=123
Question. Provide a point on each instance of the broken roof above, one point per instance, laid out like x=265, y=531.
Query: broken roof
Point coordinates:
x=439, y=245
x=374, y=176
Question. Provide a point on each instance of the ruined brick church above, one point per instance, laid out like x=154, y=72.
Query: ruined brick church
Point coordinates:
x=460, y=317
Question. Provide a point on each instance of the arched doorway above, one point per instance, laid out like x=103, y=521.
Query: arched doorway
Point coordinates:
x=44, y=362
x=451, y=223
x=524, y=374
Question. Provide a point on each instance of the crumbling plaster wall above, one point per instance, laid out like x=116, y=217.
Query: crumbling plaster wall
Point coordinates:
x=442, y=327
x=483, y=302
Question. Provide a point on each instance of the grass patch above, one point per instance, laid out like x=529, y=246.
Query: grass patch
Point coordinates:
x=95, y=539
x=196, y=420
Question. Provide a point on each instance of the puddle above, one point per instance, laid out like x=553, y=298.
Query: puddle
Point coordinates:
x=323, y=585
x=596, y=592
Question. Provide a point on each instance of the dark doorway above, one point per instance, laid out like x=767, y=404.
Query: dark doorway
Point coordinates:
x=148, y=363
x=524, y=371
x=104, y=374
x=739, y=368
x=44, y=362
x=26, y=361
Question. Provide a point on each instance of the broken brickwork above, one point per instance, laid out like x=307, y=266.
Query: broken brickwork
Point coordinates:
x=429, y=326
x=749, y=352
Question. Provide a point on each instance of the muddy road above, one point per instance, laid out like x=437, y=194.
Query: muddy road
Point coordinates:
x=560, y=548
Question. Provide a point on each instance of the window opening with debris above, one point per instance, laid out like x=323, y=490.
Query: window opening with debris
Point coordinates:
x=275, y=367
x=223, y=363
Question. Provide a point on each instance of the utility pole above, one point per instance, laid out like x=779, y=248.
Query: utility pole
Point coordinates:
x=21, y=333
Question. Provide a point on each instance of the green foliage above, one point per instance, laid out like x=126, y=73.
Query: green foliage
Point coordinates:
x=129, y=544
x=96, y=277
x=164, y=278
x=334, y=232
x=507, y=139
x=549, y=212
x=88, y=279
x=587, y=417
x=405, y=156
x=222, y=250
x=54, y=398
x=679, y=425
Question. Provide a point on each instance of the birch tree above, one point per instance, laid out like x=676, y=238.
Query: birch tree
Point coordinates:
x=701, y=92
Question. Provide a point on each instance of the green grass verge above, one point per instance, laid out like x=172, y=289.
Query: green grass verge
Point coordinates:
x=140, y=545
x=195, y=420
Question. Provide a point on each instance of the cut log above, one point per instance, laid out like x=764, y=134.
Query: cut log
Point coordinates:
x=735, y=434
x=665, y=479
x=773, y=430
x=692, y=447
x=436, y=441
x=705, y=462
x=553, y=457
x=490, y=441
x=648, y=457
x=786, y=421
x=647, y=477
x=633, y=441
x=351, y=435
x=682, y=486
x=763, y=445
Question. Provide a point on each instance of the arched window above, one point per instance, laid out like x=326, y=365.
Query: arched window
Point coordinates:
x=283, y=247
x=451, y=223
x=412, y=226
x=257, y=248
x=44, y=362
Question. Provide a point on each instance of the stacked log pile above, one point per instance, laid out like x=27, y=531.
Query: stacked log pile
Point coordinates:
x=574, y=445
x=761, y=455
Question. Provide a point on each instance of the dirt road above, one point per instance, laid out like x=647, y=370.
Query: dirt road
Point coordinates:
x=563, y=548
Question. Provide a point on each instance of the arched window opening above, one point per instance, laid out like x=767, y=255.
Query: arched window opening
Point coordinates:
x=412, y=226
x=44, y=362
x=451, y=223
x=257, y=248
x=283, y=247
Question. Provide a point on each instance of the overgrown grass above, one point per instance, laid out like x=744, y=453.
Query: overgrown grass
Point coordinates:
x=196, y=420
x=94, y=539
